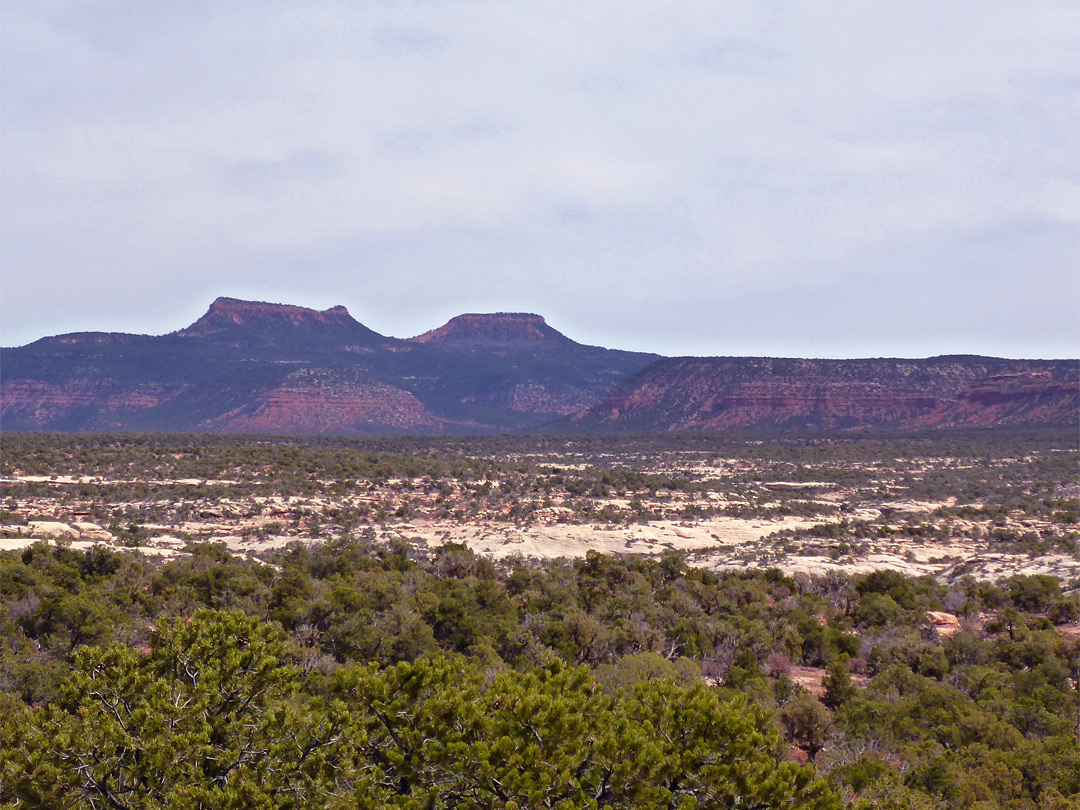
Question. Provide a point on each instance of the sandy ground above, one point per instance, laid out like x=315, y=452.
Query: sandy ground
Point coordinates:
x=500, y=540
x=719, y=543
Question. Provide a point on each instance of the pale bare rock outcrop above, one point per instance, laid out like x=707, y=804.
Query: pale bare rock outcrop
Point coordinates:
x=51, y=530
x=945, y=624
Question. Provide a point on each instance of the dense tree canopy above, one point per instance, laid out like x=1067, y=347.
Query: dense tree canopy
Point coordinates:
x=218, y=714
x=350, y=674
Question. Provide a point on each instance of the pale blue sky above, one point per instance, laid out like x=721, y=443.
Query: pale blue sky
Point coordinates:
x=837, y=179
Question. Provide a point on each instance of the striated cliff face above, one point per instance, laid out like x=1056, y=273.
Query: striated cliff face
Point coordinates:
x=36, y=404
x=789, y=394
x=320, y=401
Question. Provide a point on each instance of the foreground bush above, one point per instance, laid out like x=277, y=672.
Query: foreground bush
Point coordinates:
x=218, y=715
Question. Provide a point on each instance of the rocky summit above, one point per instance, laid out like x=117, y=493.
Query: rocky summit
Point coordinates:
x=255, y=367
x=254, y=323
x=499, y=331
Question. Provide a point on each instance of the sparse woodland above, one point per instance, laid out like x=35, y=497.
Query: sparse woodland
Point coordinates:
x=356, y=668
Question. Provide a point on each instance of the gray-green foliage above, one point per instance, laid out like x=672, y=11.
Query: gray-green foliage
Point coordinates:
x=211, y=717
x=334, y=689
x=217, y=715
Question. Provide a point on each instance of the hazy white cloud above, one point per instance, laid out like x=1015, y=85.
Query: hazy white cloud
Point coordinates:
x=651, y=176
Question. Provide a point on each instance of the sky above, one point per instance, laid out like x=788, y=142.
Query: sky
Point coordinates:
x=771, y=177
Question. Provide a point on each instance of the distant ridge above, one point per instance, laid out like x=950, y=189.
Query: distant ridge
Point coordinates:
x=252, y=366
x=790, y=394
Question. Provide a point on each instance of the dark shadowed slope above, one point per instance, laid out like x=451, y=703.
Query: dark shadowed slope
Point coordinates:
x=515, y=363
